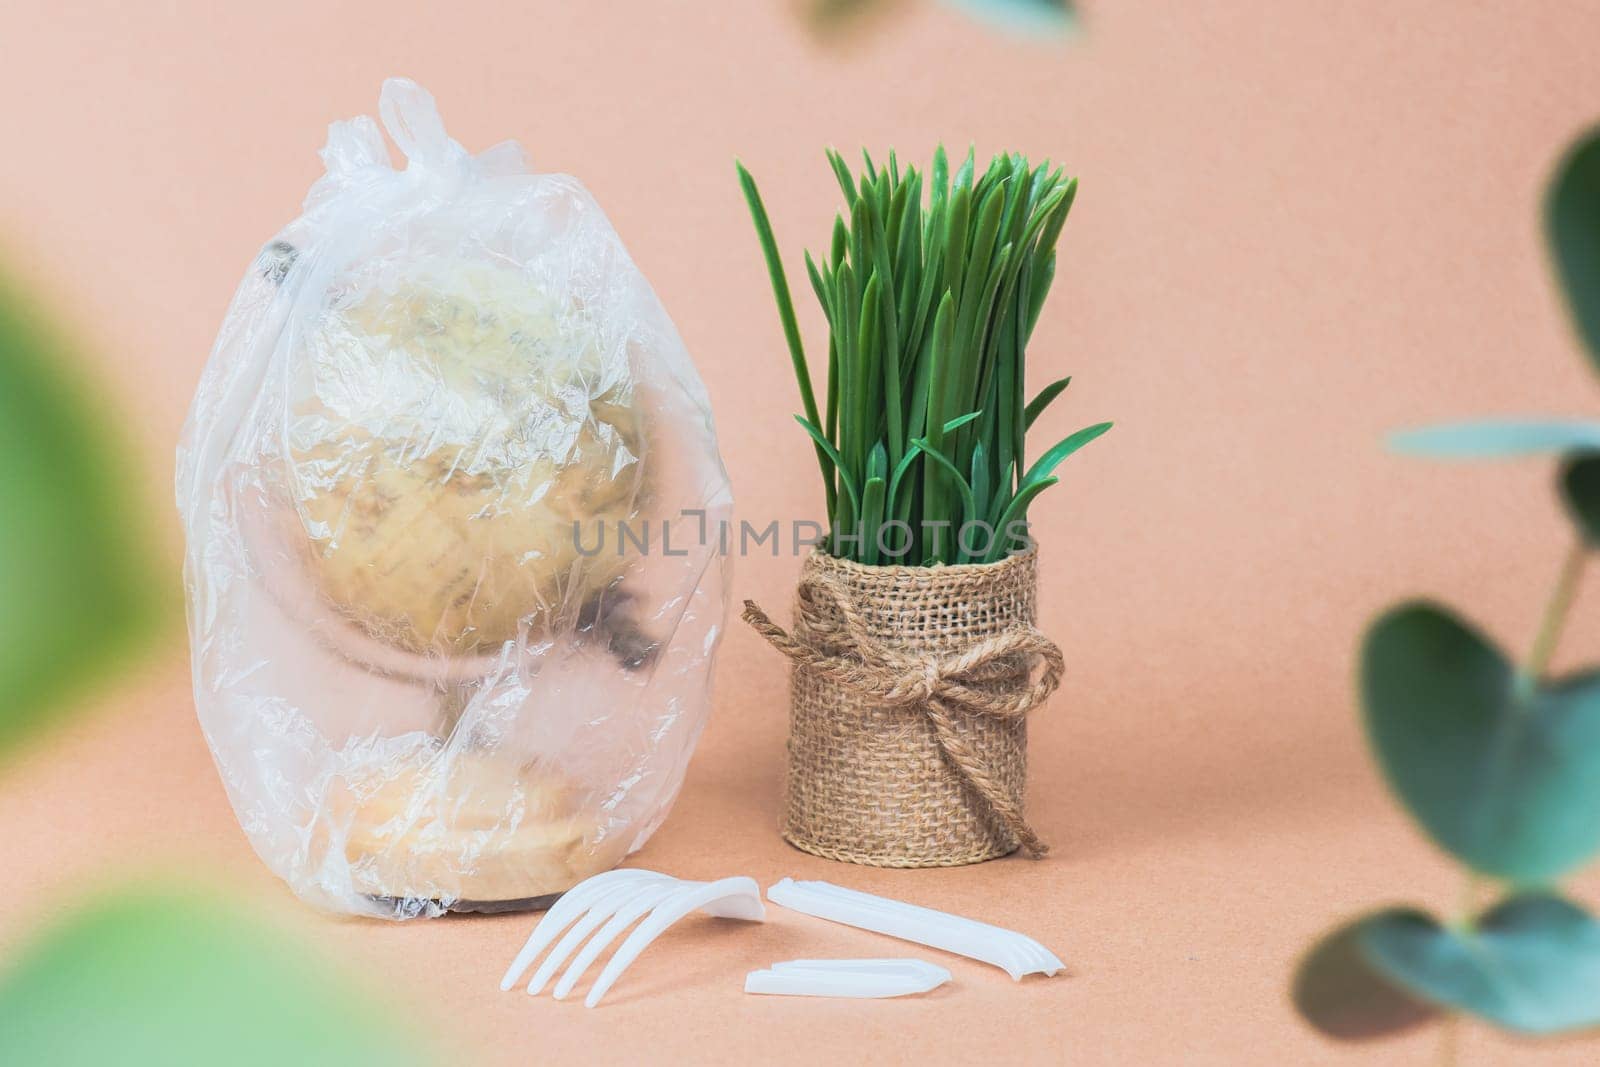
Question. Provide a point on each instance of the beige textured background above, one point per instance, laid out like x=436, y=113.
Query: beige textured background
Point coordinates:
x=1300, y=226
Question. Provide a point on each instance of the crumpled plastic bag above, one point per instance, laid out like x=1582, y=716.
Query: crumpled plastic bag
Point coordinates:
x=446, y=485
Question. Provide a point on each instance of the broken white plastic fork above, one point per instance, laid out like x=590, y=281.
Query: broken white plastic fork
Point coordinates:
x=1014, y=953
x=582, y=896
x=847, y=978
x=617, y=899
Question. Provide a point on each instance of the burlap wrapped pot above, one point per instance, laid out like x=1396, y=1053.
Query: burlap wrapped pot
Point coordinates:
x=909, y=699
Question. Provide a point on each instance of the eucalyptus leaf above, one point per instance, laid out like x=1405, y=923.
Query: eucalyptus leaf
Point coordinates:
x=1501, y=770
x=1499, y=438
x=1339, y=991
x=1530, y=964
x=1572, y=227
x=174, y=978
x=80, y=587
x=1580, y=491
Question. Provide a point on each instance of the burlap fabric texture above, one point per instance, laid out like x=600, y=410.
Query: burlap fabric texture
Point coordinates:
x=909, y=699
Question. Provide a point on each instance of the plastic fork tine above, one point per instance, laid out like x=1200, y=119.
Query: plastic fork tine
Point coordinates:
x=614, y=897
x=571, y=904
x=625, y=917
x=612, y=902
x=670, y=911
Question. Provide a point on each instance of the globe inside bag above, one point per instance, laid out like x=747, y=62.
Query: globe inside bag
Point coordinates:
x=446, y=484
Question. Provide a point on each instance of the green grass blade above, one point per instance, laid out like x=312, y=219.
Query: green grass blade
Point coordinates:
x=1037, y=405
x=1037, y=291
x=980, y=499
x=851, y=401
x=955, y=424
x=841, y=172
x=933, y=494
x=1016, y=510
x=1048, y=462
x=869, y=372
x=872, y=502
x=940, y=175
x=780, y=292
x=942, y=462
x=1057, y=218
x=849, y=506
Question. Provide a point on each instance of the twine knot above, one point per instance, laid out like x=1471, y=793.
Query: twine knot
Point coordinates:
x=992, y=677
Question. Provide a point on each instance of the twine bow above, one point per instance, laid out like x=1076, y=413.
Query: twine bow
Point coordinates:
x=992, y=677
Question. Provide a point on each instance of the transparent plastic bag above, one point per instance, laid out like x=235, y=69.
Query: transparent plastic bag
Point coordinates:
x=446, y=484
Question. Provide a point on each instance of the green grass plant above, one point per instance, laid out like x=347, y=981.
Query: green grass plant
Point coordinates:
x=931, y=286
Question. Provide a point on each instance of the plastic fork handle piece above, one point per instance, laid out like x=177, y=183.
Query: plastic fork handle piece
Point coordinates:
x=897, y=965
x=856, y=979
x=746, y=904
x=1014, y=953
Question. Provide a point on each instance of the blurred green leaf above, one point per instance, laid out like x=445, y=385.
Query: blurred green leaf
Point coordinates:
x=1498, y=439
x=1530, y=964
x=1572, y=226
x=74, y=563
x=832, y=16
x=1051, y=16
x=1047, y=16
x=1502, y=772
x=175, y=978
x=1339, y=992
x=1580, y=491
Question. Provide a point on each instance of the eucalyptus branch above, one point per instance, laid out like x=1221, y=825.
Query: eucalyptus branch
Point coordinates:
x=1557, y=608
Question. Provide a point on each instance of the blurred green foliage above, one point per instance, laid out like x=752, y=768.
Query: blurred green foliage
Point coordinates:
x=1047, y=16
x=1580, y=490
x=1502, y=769
x=79, y=588
x=153, y=976
x=1499, y=438
x=1530, y=964
x=1497, y=761
x=1572, y=223
x=1341, y=992
x=146, y=976
x=1026, y=16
